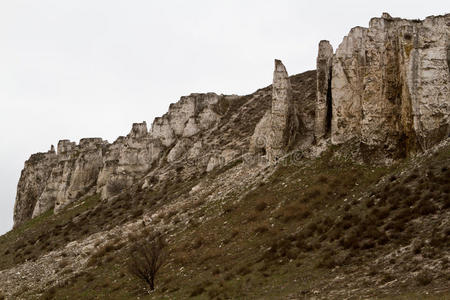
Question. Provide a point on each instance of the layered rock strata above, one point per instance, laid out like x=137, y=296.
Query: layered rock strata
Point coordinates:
x=390, y=85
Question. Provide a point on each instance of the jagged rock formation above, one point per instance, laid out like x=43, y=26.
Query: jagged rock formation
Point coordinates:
x=283, y=121
x=75, y=173
x=199, y=133
x=390, y=84
x=32, y=183
x=126, y=159
x=322, y=121
x=290, y=121
x=386, y=89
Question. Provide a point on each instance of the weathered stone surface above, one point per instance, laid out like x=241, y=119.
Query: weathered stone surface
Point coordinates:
x=74, y=175
x=126, y=159
x=322, y=122
x=347, y=86
x=187, y=136
x=33, y=181
x=283, y=121
x=178, y=150
x=87, y=165
x=186, y=118
x=258, y=142
x=301, y=112
x=390, y=84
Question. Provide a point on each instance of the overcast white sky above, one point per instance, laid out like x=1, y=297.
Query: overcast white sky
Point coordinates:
x=88, y=68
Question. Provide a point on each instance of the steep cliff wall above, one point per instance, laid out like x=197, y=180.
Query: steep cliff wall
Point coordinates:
x=390, y=85
x=74, y=175
x=32, y=183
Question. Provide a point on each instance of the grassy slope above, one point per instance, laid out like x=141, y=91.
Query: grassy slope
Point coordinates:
x=327, y=228
x=41, y=234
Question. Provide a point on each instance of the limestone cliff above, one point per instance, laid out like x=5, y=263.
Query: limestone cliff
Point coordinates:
x=283, y=122
x=32, y=183
x=385, y=89
x=390, y=85
x=199, y=133
x=74, y=174
x=289, y=123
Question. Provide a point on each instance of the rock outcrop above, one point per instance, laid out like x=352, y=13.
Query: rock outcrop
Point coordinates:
x=74, y=175
x=186, y=118
x=278, y=130
x=32, y=183
x=198, y=134
x=283, y=121
x=385, y=89
x=390, y=85
x=322, y=122
x=127, y=159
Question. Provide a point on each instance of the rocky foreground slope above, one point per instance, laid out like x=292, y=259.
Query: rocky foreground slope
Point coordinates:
x=381, y=98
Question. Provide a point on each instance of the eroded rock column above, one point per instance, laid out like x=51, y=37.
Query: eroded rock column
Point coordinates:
x=284, y=123
x=323, y=101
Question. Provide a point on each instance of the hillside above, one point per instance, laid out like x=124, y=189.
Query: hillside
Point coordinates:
x=328, y=227
x=329, y=184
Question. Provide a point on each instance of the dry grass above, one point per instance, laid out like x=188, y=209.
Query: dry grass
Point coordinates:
x=308, y=224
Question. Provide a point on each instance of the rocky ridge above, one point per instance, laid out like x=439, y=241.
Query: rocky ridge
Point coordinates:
x=386, y=89
x=351, y=100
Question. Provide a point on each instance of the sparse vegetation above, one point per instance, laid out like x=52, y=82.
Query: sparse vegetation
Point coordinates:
x=424, y=278
x=116, y=186
x=306, y=225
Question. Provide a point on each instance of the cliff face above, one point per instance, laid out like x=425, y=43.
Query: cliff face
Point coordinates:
x=385, y=89
x=32, y=183
x=73, y=175
x=390, y=84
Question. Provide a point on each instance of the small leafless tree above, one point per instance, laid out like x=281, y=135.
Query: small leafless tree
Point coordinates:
x=116, y=186
x=147, y=258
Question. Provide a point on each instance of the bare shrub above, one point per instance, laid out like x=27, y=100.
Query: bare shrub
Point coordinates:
x=198, y=243
x=147, y=258
x=260, y=206
x=424, y=278
x=116, y=186
x=261, y=229
x=198, y=290
x=244, y=271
